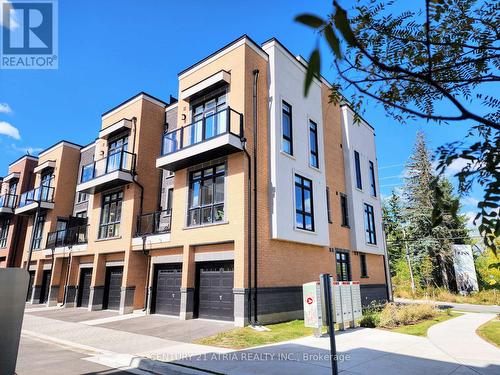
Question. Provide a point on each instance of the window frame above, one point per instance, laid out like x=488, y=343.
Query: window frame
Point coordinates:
x=344, y=210
x=4, y=232
x=357, y=168
x=328, y=206
x=116, y=223
x=363, y=266
x=214, y=204
x=369, y=219
x=38, y=227
x=342, y=258
x=283, y=137
x=302, y=211
x=371, y=167
x=313, y=154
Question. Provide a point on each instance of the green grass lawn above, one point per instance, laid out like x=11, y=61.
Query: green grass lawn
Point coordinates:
x=420, y=329
x=247, y=337
x=491, y=332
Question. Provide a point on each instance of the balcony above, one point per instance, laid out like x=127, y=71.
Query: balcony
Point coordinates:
x=7, y=204
x=114, y=170
x=29, y=201
x=211, y=137
x=67, y=237
x=155, y=226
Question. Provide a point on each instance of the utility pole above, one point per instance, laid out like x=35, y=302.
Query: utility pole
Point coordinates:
x=409, y=261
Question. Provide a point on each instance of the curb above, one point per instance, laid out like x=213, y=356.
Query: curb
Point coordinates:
x=126, y=362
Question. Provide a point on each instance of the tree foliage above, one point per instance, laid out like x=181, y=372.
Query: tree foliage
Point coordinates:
x=434, y=63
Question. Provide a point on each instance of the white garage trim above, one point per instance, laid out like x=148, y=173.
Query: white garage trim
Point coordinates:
x=174, y=258
x=214, y=255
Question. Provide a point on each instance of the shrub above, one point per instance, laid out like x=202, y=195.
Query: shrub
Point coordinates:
x=370, y=320
x=394, y=315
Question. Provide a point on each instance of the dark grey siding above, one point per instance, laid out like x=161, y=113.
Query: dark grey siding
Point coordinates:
x=373, y=292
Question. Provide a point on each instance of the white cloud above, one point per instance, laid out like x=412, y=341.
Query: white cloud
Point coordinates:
x=14, y=24
x=469, y=201
x=4, y=107
x=27, y=149
x=9, y=130
x=471, y=215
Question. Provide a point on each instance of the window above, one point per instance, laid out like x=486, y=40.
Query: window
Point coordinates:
x=170, y=197
x=362, y=263
x=313, y=144
x=82, y=197
x=209, y=119
x=343, y=266
x=4, y=232
x=359, y=183
x=37, y=240
x=344, y=210
x=206, y=196
x=13, y=188
x=81, y=215
x=117, y=156
x=111, y=213
x=287, y=130
x=304, y=218
x=370, y=225
x=328, y=206
x=372, y=179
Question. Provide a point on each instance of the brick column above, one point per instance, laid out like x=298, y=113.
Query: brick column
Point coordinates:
x=97, y=286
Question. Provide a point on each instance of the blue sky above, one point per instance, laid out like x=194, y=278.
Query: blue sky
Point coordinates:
x=110, y=50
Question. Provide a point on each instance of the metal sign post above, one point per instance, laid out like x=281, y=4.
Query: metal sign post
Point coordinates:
x=325, y=281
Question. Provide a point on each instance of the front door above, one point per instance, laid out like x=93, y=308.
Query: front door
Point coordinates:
x=44, y=291
x=84, y=287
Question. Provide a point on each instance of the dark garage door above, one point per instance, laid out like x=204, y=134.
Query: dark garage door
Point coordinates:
x=112, y=288
x=215, y=290
x=167, y=289
x=44, y=291
x=30, y=285
x=84, y=287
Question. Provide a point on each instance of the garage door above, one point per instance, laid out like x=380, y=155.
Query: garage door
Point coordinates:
x=167, y=289
x=112, y=288
x=215, y=290
x=84, y=287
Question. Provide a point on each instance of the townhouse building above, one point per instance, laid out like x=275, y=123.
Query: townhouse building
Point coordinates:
x=19, y=178
x=217, y=205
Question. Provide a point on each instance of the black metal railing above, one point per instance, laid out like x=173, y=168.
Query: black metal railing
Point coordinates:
x=222, y=122
x=8, y=200
x=40, y=194
x=154, y=223
x=115, y=161
x=66, y=237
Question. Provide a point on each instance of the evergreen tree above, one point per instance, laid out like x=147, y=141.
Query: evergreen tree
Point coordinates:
x=392, y=217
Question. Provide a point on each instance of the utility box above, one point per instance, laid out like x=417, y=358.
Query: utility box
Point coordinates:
x=13, y=290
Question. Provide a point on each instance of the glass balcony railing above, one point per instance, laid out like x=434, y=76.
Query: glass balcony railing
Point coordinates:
x=8, y=200
x=211, y=126
x=40, y=194
x=154, y=223
x=67, y=237
x=116, y=161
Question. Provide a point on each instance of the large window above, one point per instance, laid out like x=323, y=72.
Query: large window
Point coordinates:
x=372, y=179
x=4, y=232
x=213, y=113
x=206, y=196
x=370, y=225
x=111, y=213
x=37, y=240
x=344, y=210
x=343, y=266
x=287, y=129
x=117, y=159
x=313, y=144
x=357, y=165
x=304, y=217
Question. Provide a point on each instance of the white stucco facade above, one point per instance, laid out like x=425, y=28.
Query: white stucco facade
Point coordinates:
x=287, y=84
x=360, y=137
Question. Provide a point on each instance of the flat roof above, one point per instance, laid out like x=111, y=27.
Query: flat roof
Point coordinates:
x=130, y=99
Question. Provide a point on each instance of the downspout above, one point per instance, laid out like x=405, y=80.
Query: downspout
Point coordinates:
x=255, y=123
x=249, y=231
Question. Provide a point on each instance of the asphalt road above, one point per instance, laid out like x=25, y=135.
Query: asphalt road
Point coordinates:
x=39, y=357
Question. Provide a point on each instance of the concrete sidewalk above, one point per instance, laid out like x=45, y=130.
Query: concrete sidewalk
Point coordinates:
x=457, y=338
x=361, y=351
x=467, y=307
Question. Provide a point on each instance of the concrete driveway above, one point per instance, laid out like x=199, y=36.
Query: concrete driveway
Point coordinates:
x=170, y=328
x=73, y=314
